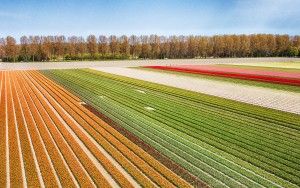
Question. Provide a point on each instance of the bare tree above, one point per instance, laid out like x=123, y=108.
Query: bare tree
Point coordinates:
x=155, y=46
x=11, y=48
x=124, y=45
x=45, y=48
x=2, y=49
x=114, y=45
x=103, y=47
x=192, y=46
x=203, y=46
x=92, y=45
x=135, y=46
x=146, y=48
x=183, y=47
x=245, y=48
x=165, y=47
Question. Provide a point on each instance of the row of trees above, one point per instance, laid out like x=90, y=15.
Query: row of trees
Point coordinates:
x=60, y=48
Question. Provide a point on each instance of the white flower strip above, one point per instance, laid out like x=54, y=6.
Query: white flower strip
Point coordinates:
x=265, y=97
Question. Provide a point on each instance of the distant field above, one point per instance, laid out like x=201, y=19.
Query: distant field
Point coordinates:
x=286, y=65
x=259, y=68
x=239, y=72
x=222, y=142
x=233, y=80
x=136, y=63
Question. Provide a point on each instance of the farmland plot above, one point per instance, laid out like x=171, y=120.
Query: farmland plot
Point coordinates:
x=48, y=138
x=285, y=65
x=280, y=77
x=281, y=87
x=223, y=142
x=270, y=98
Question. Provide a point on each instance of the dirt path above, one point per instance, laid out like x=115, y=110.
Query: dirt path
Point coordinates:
x=135, y=63
x=275, y=99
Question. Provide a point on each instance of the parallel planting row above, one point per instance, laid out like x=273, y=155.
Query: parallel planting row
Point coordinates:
x=49, y=139
x=279, y=77
x=223, y=142
x=282, y=87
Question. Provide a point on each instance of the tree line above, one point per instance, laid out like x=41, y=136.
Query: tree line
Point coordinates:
x=62, y=48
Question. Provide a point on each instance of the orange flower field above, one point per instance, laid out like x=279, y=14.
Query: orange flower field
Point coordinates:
x=49, y=138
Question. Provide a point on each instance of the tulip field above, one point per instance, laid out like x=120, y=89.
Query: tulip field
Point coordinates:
x=114, y=127
x=164, y=132
x=48, y=138
x=239, y=72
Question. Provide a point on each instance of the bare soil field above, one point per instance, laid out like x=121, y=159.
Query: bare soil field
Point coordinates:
x=135, y=63
x=270, y=98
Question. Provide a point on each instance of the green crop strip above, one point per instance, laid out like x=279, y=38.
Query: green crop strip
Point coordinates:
x=223, y=142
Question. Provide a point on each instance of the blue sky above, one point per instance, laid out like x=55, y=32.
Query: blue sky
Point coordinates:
x=163, y=17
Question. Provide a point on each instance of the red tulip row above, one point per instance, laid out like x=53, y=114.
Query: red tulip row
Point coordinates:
x=277, y=77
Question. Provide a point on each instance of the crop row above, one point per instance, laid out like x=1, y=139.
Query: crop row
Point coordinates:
x=193, y=116
x=117, y=143
x=155, y=128
x=288, y=131
x=3, y=129
x=124, y=140
x=275, y=77
x=49, y=139
x=106, y=163
x=272, y=116
x=136, y=117
x=282, y=87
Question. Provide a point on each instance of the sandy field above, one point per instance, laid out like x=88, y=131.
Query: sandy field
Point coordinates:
x=135, y=63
